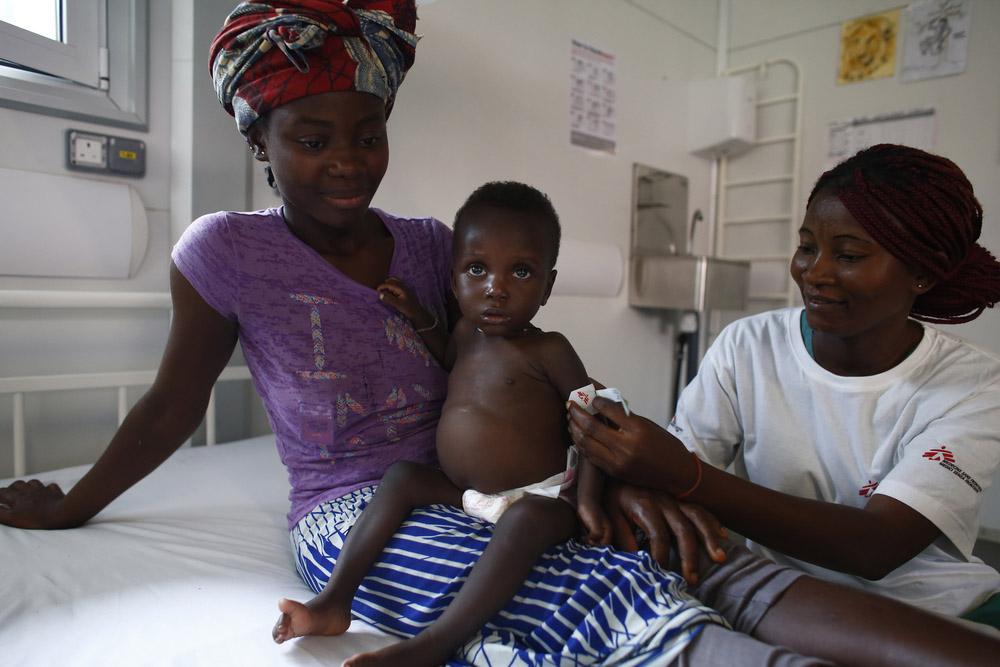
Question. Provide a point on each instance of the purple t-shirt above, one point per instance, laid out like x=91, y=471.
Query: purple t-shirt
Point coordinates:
x=349, y=387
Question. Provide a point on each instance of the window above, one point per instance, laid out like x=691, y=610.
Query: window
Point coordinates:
x=75, y=58
x=44, y=19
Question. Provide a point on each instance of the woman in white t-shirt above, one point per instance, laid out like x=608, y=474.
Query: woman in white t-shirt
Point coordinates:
x=862, y=441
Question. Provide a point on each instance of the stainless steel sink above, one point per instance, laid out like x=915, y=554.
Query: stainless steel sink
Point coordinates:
x=687, y=282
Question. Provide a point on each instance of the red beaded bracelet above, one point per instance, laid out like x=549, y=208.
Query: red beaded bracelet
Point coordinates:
x=697, y=480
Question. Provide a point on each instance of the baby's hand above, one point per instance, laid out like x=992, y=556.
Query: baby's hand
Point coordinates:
x=596, y=524
x=397, y=294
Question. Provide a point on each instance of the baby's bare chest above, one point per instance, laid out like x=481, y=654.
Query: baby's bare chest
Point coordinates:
x=493, y=379
x=503, y=425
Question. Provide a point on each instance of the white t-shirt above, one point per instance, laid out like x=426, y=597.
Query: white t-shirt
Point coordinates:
x=926, y=433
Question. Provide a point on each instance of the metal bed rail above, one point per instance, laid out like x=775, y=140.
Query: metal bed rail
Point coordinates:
x=19, y=386
x=80, y=299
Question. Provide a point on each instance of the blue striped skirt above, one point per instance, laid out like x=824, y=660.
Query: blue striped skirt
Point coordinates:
x=581, y=605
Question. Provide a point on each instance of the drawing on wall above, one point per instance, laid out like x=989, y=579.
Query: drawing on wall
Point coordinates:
x=937, y=39
x=868, y=47
x=592, y=98
x=914, y=127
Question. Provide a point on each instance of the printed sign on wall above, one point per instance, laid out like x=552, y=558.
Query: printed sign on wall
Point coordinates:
x=914, y=127
x=592, y=98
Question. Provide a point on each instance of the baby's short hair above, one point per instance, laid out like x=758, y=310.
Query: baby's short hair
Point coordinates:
x=517, y=197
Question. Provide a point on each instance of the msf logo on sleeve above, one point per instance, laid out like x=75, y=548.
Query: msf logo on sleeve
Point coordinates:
x=945, y=458
x=868, y=489
x=941, y=453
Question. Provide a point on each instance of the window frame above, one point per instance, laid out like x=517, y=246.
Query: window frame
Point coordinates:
x=121, y=100
x=77, y=59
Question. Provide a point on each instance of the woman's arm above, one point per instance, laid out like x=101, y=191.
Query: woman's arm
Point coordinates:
x=868, y=542
x=199, y=345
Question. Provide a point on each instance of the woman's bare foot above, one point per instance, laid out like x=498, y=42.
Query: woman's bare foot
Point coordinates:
x=411, y=652
x=312, y=618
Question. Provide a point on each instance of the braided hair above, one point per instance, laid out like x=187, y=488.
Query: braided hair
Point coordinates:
x=921, y=208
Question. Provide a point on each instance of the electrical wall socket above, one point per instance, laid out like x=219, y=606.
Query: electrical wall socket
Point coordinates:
x=87, y=151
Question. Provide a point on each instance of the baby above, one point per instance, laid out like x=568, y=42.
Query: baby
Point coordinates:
x=502, y=436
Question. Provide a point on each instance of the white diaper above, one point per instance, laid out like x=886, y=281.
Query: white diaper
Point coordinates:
x=490, y=506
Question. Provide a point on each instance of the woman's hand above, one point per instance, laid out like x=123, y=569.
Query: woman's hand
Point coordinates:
x=31, y=504
x=631, y=448
x=398, y=294
x=667, y=524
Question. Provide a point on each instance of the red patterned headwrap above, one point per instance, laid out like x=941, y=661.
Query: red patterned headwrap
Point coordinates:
x=921, y=208
x=272, y=53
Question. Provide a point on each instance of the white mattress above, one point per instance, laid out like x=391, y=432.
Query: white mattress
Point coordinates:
x=185, y=568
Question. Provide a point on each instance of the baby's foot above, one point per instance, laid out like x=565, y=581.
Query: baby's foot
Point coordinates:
x=312, y=618
x=412, y=653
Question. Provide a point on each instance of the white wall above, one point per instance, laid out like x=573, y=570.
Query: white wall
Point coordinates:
x=42, y=342
x=74, y=427
x=967, y=105
x=488, y=99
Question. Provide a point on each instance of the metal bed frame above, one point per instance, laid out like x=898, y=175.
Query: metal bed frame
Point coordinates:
x=17, y=387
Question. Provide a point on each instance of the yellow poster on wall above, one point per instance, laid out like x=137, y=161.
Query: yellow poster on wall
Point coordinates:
x=868, y=47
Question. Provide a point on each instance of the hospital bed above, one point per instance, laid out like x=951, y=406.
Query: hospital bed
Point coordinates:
x=186, y=568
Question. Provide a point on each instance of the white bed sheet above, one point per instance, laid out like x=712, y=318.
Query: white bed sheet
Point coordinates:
x=185, y=568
